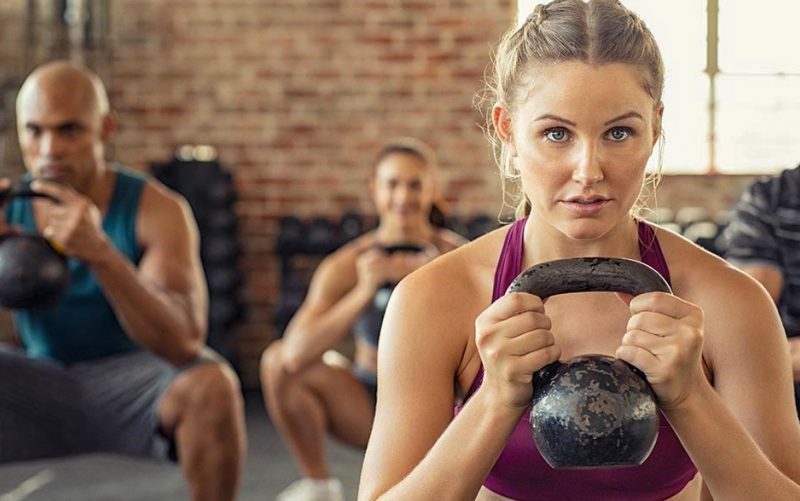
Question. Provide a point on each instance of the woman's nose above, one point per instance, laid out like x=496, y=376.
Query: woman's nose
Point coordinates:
x=588, y=169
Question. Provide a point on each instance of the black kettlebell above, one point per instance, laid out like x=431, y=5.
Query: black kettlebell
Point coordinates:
x=370, y=321
x=381, y=299
x=33, y=274
x=593, y=410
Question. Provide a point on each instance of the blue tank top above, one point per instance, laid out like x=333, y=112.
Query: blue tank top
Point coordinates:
x=83, y=325
x=521, y=473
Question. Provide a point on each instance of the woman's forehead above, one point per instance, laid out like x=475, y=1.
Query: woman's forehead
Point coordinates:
x=578, y=88
x=400, y=163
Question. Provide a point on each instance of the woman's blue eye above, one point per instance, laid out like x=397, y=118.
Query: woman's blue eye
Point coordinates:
x=556, y=135
x=619, y=133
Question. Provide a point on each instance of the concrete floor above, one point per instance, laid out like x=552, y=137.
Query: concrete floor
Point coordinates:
x=104, y=477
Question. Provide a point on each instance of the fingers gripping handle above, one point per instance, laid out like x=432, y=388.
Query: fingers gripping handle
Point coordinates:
x=23, y=189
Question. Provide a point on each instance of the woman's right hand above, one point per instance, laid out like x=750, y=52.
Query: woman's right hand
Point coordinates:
x=514, y=340
x=372, y=268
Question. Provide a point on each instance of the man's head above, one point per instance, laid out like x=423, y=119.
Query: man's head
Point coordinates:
x=63, y=121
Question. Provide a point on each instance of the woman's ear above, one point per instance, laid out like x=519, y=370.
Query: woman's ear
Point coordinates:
x=658, y=120
x=501, y=120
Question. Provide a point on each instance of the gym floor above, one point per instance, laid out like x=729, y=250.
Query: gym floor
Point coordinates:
x=105, y=477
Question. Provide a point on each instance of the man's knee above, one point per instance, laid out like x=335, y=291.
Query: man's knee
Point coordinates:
x=212, y=391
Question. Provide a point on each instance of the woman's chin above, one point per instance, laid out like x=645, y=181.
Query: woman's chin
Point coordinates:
x=586, y=230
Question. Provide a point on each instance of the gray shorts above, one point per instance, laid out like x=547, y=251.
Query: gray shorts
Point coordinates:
x=48, y=409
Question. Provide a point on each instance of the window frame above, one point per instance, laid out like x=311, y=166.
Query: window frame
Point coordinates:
x=712, y=72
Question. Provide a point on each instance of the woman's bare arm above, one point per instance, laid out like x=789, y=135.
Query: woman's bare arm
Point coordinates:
x=744, y=436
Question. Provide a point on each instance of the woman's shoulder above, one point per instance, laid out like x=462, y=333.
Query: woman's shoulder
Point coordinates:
x=706, y=279
x=447, y=240
x=461, y=271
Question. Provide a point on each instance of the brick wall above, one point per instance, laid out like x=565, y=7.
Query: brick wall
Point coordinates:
x=297, y=95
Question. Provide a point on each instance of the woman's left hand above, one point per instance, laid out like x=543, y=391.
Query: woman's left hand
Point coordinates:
x=664, y=339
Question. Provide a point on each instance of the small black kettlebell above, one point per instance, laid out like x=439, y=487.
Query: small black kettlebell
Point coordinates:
x=33, y=274
x=370, y=321
x=593, y=410
x=381, y=299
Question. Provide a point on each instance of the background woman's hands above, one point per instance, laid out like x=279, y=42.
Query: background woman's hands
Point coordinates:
x=376, y=267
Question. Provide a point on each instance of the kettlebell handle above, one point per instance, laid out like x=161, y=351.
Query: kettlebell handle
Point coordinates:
x=586, y=274
x=23, y=189
x=589, y=274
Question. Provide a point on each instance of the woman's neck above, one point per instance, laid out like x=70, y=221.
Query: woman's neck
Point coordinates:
x=543, y=242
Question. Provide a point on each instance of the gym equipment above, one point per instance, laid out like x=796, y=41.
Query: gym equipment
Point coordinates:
x=224, y=311
x=401, y=247
x=480, y=225
x=593, y=410
x=351, y=225
x=33, y=274
x=291, y=235
x=222, y=221
x=224, y=280
x=320, y=236
x=219, y=249
x=691, y=214
x=703, y=233
x=288, y=304
x=368, y=325
x=457, y=225
x=210, y=189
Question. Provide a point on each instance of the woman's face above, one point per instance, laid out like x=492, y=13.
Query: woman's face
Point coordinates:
x=581, y=139
x=402, y=189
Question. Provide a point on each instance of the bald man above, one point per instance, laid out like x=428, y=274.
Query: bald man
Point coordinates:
x=120, y=364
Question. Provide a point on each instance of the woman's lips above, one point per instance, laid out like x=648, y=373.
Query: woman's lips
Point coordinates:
x=585, y=207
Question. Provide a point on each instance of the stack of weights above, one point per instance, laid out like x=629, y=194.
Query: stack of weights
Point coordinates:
x=209, y=189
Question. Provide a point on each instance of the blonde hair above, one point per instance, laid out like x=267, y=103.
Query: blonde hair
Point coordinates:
x=594, y=32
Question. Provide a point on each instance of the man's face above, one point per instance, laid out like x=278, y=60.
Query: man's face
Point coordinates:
x=61, y=134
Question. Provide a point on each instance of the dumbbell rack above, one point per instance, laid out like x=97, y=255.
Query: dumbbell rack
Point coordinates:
x=209, y=189
x=301, y=245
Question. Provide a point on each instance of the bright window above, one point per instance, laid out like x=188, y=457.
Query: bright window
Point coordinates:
x=755, y=88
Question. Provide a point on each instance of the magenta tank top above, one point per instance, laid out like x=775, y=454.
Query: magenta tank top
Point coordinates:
x=521, y=473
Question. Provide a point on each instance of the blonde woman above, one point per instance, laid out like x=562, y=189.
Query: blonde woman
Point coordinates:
x=577, y=112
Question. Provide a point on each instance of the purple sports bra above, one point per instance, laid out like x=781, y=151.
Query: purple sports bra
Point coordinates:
x=521, y=473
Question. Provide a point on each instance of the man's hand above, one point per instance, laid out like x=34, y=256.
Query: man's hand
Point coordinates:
x=74, y=225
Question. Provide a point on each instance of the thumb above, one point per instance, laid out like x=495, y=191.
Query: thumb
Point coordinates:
x=624, y=297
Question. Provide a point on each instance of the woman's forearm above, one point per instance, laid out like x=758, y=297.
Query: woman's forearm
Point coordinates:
x=307, y=341
x=462, y=457
x=732, y=464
